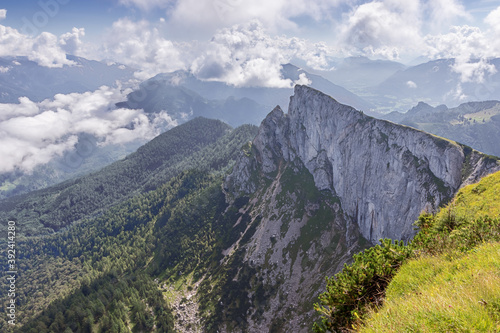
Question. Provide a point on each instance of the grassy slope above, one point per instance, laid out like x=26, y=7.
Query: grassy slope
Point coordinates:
x=476, y=200
x=458, y=288
x=436, y=294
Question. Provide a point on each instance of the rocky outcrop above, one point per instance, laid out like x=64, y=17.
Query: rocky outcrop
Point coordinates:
x=313, y=186
x=384, y=174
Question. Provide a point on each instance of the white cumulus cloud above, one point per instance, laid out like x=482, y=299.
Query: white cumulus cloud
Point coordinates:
x=210, y=15
x=243, y=55
x=71, y=42
x=34, y=133
x=303, y=80
x=411, y=84
x=470, y=47
x=46, y=52
x=444, y=13
x=45, y=49
x=140, y=45
x=383, y=28
x=246, y=55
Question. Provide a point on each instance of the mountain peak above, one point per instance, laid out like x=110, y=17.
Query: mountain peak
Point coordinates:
x=420, y=108
x=312, y=100
x=384, y=174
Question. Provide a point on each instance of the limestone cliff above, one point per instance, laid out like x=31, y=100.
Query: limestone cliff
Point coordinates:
x=318, y=183
x=384, y=174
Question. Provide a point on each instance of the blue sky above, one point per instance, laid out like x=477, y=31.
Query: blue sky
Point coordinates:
x=97, y=15
x=93, y=15
x=231, y=37
x=239, y=42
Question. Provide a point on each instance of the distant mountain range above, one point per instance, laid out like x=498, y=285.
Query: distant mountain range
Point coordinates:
x=434, y=82
x=380, y=86
x=359, y=73
x=476, y=124
x=184, y=96
x=22, y=77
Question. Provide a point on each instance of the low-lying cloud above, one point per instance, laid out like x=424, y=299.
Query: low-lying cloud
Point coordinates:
x=34, y=133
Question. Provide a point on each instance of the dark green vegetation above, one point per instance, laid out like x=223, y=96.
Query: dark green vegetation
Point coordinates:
x=111, y=260
x=100, y=273
x=111, y=303
x=201, y=143
x=88, y=157
x=169, y=238
x=354, y=295
x=359, y=285
x=476, y=124
x=119, y=270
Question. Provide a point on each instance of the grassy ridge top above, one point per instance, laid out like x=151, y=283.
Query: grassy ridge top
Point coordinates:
x=446, y=280
x=436, y=294
x=476, y=200
x=453, y=285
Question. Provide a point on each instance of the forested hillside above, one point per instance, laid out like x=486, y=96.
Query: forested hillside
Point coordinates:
x=101, y=273
x=208, y=228
x=201, y=143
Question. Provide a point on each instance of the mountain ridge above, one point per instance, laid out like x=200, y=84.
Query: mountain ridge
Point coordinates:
x=190, y=144
x=476, y=124
x=170, y=91
x=248, y=250
x=325, y=135
x=27, y=78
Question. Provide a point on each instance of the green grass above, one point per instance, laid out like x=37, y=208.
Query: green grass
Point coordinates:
x=483, y=114
x=476, y=200
x=7, y=186
x=178, y=287
x=453, y=282
x=449, y=282
x=435, y=294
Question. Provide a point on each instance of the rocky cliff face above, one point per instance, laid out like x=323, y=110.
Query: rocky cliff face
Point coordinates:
x=318, y=183
x=383, y=174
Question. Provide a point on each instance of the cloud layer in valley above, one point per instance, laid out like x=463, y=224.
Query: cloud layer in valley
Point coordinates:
x=33, y=133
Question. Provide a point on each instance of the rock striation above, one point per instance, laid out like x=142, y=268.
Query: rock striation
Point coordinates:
x=384, y=174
